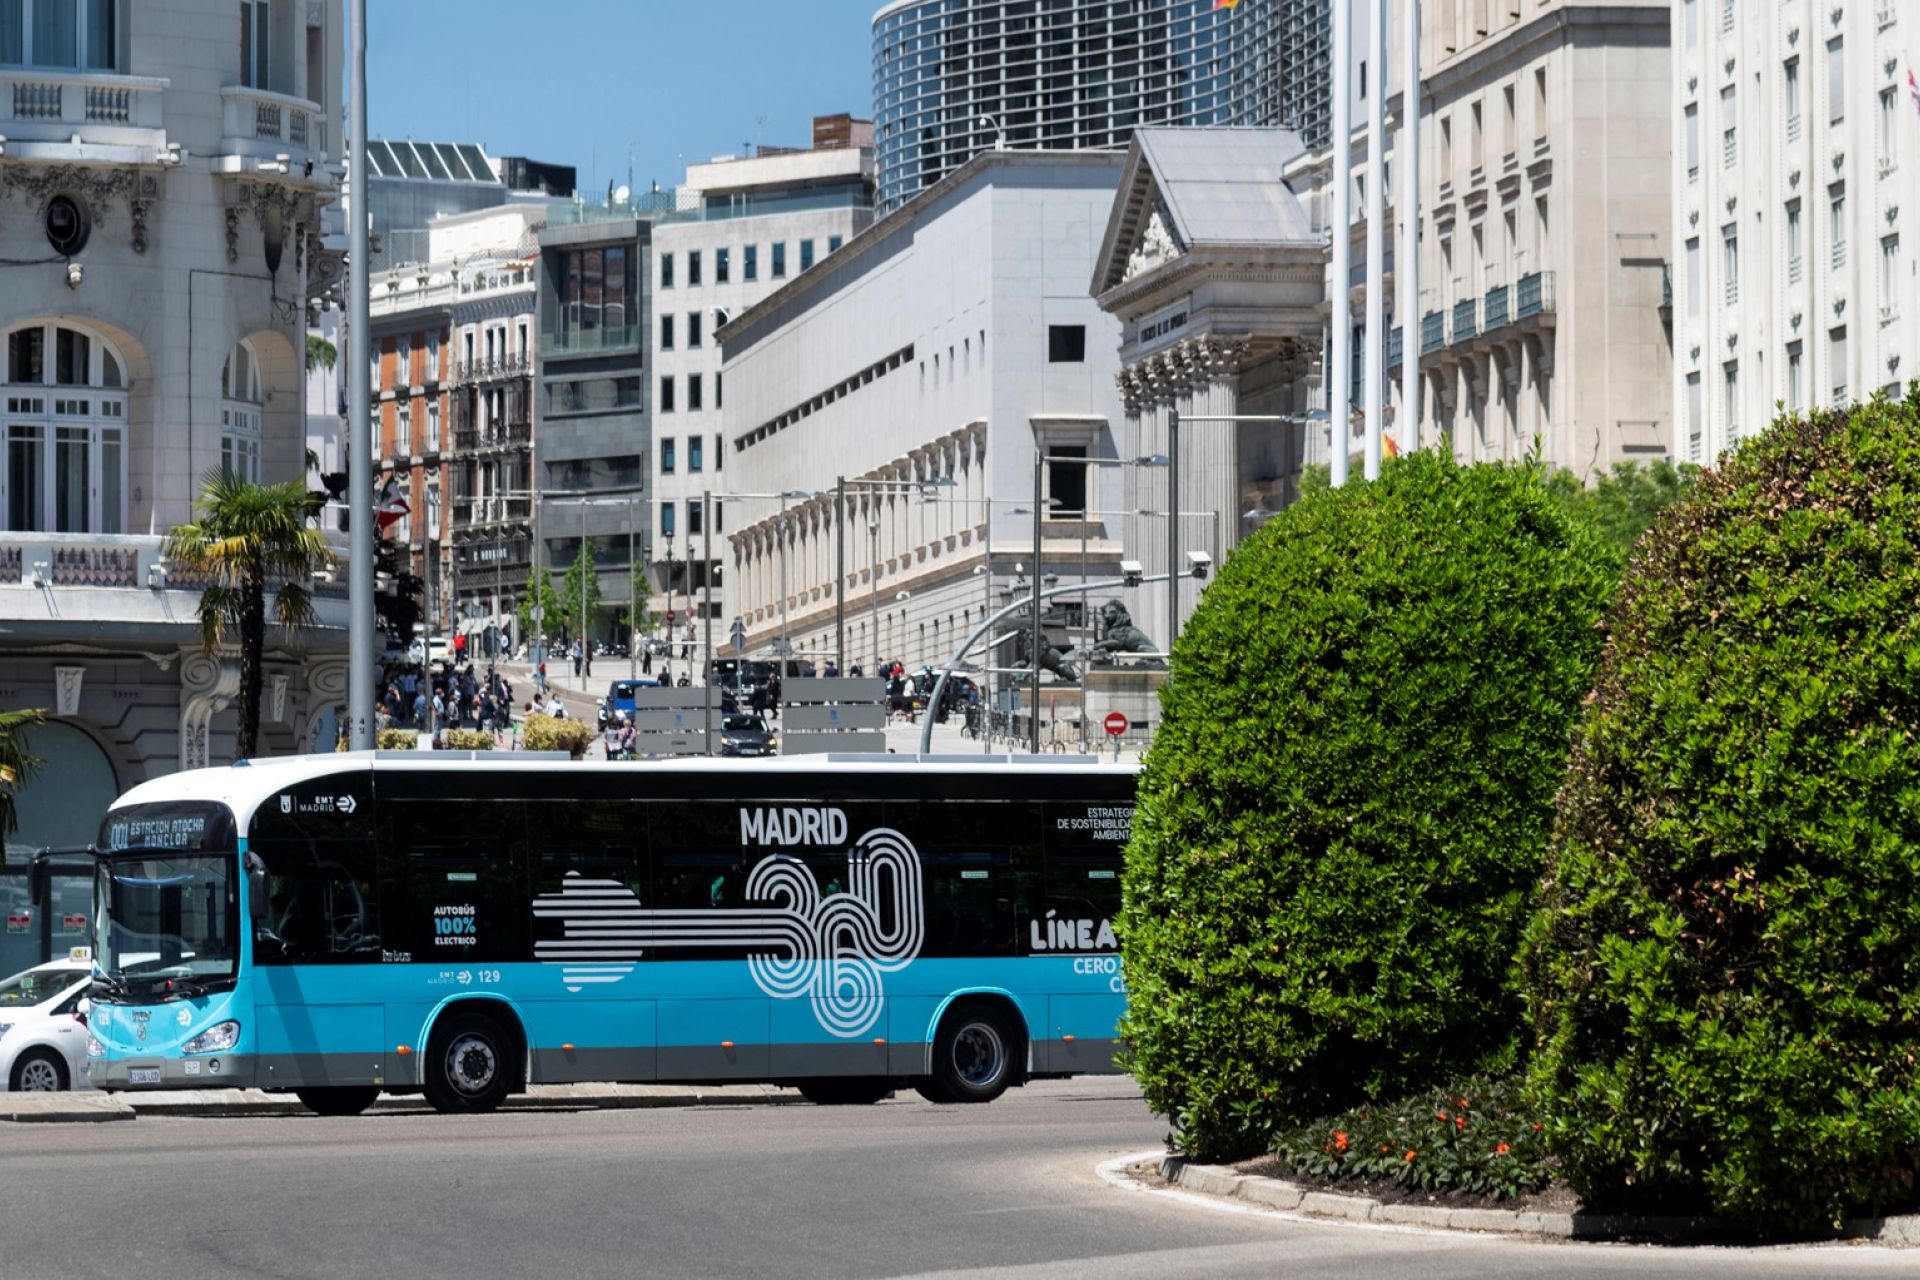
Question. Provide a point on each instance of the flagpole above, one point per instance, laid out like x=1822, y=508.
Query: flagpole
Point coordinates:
x=1338, y=376
x=1406, y=267
x=1372, y=397
x=360, y=451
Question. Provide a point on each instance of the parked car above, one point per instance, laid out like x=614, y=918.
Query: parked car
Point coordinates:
x=43, y=1031
x=744, y=734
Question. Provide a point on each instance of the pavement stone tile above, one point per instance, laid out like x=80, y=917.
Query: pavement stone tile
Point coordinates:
x=1271, y=1192
x=1354, y=1208
x=1483, y=1219
x=1414, y=1215
x=62, y=1108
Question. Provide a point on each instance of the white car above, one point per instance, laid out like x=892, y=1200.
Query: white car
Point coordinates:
x=43, y=1034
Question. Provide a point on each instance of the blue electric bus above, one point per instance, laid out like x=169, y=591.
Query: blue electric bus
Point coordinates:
x=460, y=927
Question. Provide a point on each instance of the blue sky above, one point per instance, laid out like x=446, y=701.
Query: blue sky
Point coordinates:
x=579, y=81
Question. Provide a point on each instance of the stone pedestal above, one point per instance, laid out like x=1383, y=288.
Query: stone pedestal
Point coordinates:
x=1132, y=691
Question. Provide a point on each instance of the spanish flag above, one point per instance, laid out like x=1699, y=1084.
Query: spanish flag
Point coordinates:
x=1218, y=5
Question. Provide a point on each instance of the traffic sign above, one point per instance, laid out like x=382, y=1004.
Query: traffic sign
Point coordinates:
x=1117, y=723
x=739, y=635
x=538, y=613
x=669, y=617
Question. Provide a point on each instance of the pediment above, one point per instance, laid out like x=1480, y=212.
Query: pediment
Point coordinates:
x=1154, y=247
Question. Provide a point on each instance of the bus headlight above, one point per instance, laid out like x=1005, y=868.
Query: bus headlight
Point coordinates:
x=215, y=1039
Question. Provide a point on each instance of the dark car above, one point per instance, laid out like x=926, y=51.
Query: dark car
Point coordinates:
x=742, y=734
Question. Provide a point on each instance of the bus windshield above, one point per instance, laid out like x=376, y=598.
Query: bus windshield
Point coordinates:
x=166, y=898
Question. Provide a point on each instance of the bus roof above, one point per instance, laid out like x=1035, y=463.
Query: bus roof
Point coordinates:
x=244, y=785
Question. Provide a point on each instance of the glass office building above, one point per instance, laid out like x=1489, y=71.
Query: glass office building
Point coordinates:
x=952, y=78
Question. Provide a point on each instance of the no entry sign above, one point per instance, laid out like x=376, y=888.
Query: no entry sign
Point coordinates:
x=1117, y=723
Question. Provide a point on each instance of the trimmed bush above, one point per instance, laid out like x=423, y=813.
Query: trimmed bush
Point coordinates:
x=548, y=733
x=1349, y=798
x=1724, y=974
x=468, y=740
x=396, y=740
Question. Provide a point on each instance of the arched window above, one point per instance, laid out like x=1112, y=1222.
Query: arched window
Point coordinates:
x=65, y=396
x=76, y=34
x=240, y=413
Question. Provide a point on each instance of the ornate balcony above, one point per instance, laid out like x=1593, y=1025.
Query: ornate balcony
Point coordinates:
x=264, y=132
x=1534, y=295
x=1464, y=319
x=83, y=116
x=505, y=368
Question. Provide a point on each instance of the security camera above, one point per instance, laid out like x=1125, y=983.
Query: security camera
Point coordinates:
x=1131, y=572
x=1199, y=563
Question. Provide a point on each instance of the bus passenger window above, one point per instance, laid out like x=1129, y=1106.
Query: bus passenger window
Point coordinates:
x=322, y=902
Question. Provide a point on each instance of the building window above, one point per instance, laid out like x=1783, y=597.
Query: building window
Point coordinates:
x=68, y=34
x=779, y=259
x=1690, y=23
x=1693, y=416
x=599, y=293
x=1790, y=92
x=666, y=271
x=1836, y=80
x=1479, y=139
x=1795, y=371
x=1730, y=398
x=750, y=262
x=696, y=452
x=403, y=441
x=1726, y=17
x=666, y=333
x=240, y=401
x=1794, y=254
x=1066, y=483
x=695, y=524
x=1694, y=284
x=1729, y=129
x=667, y=457
x=1446, y=149
x=719, y=445
x=693, y=268
x=255, y=44
x=806, y=255
x=1066, y=343
x=1883, y=132
x=693, y=328
x=64, y=469
x=1837, y=222
x=1889, y=277
x=693, y=395
x=433, y=424
x=1730, y=264
x=1837, y=362
x=1540, y=104
x=1693, y=141
x=834, y=243
x=722, y=264
x=666, y=519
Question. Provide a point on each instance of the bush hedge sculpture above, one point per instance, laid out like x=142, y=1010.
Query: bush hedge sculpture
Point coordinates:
x=1725, y=970
x=1348, y=800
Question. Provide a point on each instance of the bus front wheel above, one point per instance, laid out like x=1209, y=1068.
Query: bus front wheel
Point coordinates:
x=470, y=1064
x=974, y=1057
x=844, y=1091
x=337, y=1101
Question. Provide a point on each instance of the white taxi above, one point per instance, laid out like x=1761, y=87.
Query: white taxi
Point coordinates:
x=43, y=1030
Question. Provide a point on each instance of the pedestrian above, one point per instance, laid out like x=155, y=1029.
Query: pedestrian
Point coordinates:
x=576, y=659
x=419, y=706
x=685, y=680
x=832, y=672
x=392, y=703
x=626, y=737
x=540, y=676
x=646, y=661
x=381, y=720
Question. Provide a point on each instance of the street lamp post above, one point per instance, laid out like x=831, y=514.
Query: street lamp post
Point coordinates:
x=873, y=589
x=360, y=454
x=706, y=558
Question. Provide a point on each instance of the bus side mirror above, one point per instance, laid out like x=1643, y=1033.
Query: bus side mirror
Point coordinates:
x=256, y=889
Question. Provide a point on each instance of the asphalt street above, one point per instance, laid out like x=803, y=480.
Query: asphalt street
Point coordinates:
x=902, y=1188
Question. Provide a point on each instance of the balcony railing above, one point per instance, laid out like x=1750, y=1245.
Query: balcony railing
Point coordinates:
x=257, y=125
x=1395, y=346
x=507, y=435
x=41, y=106
x=491, y=370
x=1493, y=311
x=1793, y=127
x=490, y=509
x=32, y=563
x=589, y=341
x=1533, y=294
x=1433, y=332
x=1463, y=319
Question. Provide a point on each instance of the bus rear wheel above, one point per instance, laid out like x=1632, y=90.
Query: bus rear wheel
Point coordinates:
x=974, y=1057
x=844, y=1091
x=339, y=1101
x=470, y=1064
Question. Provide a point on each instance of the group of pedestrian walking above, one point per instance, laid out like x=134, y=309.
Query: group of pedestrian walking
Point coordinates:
x=446, y=696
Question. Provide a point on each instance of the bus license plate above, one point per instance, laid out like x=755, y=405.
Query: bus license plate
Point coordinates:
x=143, y=1075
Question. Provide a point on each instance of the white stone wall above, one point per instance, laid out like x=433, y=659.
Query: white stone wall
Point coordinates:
x=1788, y=151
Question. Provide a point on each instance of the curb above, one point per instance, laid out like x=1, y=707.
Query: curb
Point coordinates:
x=1277, y=1193
x=80, y=1108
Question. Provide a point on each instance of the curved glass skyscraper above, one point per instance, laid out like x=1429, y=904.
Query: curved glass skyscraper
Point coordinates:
x=952, y=78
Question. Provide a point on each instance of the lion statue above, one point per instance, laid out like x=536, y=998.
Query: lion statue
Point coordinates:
x=1118, y=634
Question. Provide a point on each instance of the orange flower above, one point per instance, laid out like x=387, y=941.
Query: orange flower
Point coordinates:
x=1463, y=1103
x=1339, y=1141
x=1412, y=1154
x=1460, y=1122
x=1536, y=1126
x=1502, y=1149
x=1383, y=1148
x=1442, y=1116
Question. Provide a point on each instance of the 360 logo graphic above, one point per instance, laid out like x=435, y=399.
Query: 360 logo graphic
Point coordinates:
x=832, y=949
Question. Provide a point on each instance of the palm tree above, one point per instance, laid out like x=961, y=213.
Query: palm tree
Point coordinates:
x=248, y=535
x=16, y=766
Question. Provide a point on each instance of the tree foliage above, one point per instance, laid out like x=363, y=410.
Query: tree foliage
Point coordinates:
x=1623, y=502
x=576, y=609
x=1724, y=973
x=540, y=593
x=249, y=537
x=1347, y=803
x=17, y=767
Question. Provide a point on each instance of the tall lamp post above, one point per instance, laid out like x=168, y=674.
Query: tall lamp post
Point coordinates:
x=360, y=454
x=873, y=592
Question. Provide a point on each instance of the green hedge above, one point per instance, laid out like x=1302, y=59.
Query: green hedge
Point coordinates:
x=549, y=733
x=396, y=739
x=1348, y=801
x=468, y=740
x=1725, y=970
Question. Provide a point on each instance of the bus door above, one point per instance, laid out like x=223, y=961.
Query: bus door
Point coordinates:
x=318, y=1014
x=712, y=1015
x=1087, y=988
x=590, y=1002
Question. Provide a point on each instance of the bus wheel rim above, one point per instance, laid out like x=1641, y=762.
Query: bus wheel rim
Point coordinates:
x=471, y=1064
x=979, y=1056
x=39, y=1076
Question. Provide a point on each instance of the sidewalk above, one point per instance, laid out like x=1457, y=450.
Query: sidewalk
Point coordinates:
x=88, y=1105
